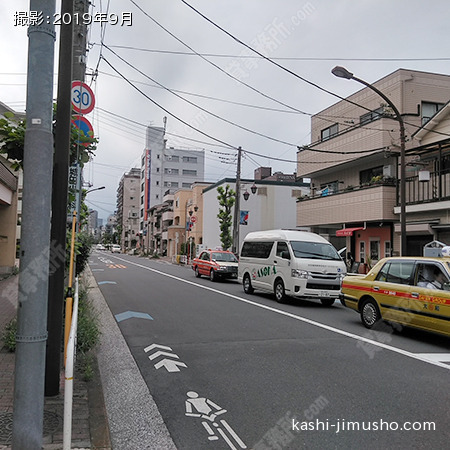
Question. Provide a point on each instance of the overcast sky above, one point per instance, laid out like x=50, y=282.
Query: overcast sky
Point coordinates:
x=372, y=38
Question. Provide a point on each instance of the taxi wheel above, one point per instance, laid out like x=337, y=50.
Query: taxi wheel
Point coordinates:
x=212, y=275
x=280, y=293
x=197, y=273
x=370, y=314
x=247, y=284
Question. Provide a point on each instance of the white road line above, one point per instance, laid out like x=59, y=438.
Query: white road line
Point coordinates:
x=417, y=356
x=442, y=357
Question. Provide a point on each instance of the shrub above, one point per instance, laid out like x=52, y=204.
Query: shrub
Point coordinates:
x=9, y=335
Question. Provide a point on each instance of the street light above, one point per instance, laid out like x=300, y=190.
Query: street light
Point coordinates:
x=342, y=72
x=96, y=189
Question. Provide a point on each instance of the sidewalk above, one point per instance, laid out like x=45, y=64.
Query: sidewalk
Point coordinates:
x=89, y=425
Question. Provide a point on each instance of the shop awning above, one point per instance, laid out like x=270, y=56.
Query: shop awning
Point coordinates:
x=348, y=231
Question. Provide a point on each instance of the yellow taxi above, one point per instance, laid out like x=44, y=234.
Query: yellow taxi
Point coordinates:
x=413, y=292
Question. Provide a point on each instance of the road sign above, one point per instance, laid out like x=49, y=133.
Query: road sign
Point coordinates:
x=193, y=219
x=82, y=124
x=83, y=99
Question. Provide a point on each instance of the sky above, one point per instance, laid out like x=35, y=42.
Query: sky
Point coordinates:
x=229, y=96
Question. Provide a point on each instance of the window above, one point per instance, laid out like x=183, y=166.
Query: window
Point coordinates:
x=192, y=173
x=431, y=276
x=256, y=249
x=366, y=176
x=387, y=249
x=173, y=158
x=399, y=272
x=281, y=247
x=171, y=171
x=362, y=252
x=429, y=110
x=189, y=159
x=371, y=116
x=329, y=132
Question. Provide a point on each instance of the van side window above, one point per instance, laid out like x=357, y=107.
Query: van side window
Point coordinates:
x=281, y=247
x=256, y=249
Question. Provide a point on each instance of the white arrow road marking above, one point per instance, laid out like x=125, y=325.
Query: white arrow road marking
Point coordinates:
x=170, y=365
x=295, y=317
x=157, y=354
x=151, y=347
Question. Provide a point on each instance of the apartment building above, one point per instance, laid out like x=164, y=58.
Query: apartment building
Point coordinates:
x=128, y=198
x=353, y=163
x=166, y=169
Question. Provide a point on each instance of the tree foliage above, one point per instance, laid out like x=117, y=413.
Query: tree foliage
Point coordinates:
x=12, y=140
x=227, y=198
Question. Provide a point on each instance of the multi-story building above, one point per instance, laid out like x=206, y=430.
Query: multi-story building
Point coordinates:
x=166, y=169
x=353, y=164
x=128, y=198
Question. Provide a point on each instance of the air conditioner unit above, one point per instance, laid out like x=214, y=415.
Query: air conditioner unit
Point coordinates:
x=169, y=184
x=388, y=171
x=169, y=158
x=169, y=170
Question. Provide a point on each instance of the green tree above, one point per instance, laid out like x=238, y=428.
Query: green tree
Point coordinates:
x=227, y=198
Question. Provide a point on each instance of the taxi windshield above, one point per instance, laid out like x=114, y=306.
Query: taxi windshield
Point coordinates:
x=224, y=257
x=314, y=250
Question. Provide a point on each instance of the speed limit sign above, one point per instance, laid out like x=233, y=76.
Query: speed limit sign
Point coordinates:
x=83, y=100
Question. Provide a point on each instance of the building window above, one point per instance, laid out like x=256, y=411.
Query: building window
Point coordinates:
x=173, y=158
x=366, y=176
x=190, y=159
x=192, y=173
x=375, y=250
x=169, y=171
x=387, y=249
x=329, y=132
x=186, y=185
x=371, y=116
x=362, y=252
x=429, y=110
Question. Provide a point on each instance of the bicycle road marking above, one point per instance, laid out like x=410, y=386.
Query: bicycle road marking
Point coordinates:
x=400, y=351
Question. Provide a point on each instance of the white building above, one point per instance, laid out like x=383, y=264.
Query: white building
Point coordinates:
x=166, y=169
x=272, y=206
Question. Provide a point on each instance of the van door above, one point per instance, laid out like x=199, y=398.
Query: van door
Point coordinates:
x=281, y=266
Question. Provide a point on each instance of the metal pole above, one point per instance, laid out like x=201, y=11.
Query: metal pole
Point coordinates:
x=59, y=205
x=399, y=119
x=35, y=242
x=237, y=205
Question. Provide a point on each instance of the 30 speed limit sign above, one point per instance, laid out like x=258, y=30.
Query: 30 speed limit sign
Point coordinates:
x=83, y=100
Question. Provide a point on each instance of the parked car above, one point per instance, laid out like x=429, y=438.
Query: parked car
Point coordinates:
x=115, y=248
x=100, y=247
x=410, y=291
x=215, y=264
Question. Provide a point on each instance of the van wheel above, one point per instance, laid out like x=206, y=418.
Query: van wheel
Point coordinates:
x=197, y=273
x=279, y=291
x=370, y=314
x=212, y=275
x=247, y=284
x=327, y=301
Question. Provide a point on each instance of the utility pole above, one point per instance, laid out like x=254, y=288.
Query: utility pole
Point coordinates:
x=59, y=205
x=237, y=205
x=31, y=335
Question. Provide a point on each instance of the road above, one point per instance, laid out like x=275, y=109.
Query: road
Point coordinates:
x=230, y=370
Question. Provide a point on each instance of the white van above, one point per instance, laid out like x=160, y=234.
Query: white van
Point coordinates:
x=291, y=263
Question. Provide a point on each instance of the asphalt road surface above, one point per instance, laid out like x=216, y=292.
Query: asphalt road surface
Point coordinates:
x=229, y=370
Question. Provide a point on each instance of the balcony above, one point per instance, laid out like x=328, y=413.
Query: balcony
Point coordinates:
x=372, y=202
x=435, y=190
x=167, y=216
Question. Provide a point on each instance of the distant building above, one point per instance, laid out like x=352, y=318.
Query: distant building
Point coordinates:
x=128, y=208
x=166, y=169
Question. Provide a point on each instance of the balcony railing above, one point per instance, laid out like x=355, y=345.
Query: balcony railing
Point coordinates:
x=434, y=190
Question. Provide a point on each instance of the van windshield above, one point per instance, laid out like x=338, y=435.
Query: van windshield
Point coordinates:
x=314, y=250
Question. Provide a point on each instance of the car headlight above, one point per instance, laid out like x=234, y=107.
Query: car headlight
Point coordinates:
x=296, y=273
x=342, y=276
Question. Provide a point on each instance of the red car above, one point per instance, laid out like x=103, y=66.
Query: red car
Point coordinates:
x=215, y=264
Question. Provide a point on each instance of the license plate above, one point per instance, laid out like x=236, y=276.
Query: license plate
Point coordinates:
x=324, y=294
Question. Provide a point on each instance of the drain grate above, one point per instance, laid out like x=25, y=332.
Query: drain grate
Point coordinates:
x=52, y=422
